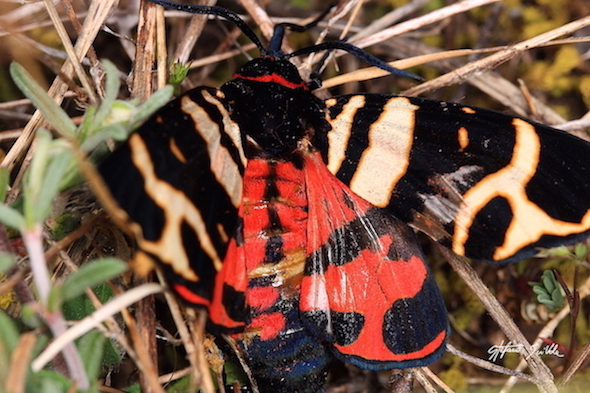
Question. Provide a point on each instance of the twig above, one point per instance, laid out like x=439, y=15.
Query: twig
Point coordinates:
x=544, y=377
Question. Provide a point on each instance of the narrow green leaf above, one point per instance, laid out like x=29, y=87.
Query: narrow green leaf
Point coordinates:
x=539, y=290
x=155, y=102
x=4, y=180
x=91, y=347
x=111, y=92
x=9, y=335
x=55, y=173
x=55, y=299
x=548, y=282
x=34, y=177
x=92, y=274
x=50, y=110
x=11, y=217
x=6, y=261
x=117, y=132
x=581, y=251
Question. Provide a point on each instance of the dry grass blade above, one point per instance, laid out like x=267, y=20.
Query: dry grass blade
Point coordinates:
x=97, y=14
x=493, y=61
x=19, y=363
x=416, y=23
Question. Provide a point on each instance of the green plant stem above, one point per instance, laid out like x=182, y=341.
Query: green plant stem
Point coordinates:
x=33, y=239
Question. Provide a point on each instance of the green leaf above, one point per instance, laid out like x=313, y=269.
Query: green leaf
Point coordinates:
x=9, y=334
x=91, y=347
x=7, y=261
x=47, y=381
x=4, y=180
x=581, y=251
x=80, y=307
x=155, y=102
x=63, y=225
x=90, y=275
x=57, y=170
x=118, y=132
x=549, y=291
x=55, y=299
x=11, y=217
x=111, y=92
x=51, y=166
x=548, y=282
x=50, y=110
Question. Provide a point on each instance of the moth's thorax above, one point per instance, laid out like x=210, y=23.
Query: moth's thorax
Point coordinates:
x=274, y=108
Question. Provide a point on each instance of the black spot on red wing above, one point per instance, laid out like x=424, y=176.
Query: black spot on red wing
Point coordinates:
x=412, y=323
x=234, y=303
x=317, y=322
x=347, y=326
x=346, y=243
x=239, y=232
x=404, y=243
x=489, y=229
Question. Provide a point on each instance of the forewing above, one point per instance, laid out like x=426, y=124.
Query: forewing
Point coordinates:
x=366, y=288
x=178, y=181
x=489, y=186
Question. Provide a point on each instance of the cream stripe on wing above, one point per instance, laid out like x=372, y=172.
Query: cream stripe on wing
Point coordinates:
x=530, y=222
x=387, y=157
x=222, y=164
x=341, y=128
x=177, y=209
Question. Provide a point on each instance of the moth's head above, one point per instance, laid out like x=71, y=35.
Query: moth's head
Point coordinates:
x=270, y=69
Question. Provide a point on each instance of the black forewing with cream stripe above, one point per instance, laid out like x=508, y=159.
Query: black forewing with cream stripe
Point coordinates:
x=179, y=180
x=489, y=186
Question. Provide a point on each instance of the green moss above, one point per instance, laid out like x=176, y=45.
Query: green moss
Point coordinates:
x=455, y=379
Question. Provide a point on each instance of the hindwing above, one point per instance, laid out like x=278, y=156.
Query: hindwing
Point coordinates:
x=367, y=289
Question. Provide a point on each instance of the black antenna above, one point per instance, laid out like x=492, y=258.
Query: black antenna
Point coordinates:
x=217, y=11
x=279, y=33
x=356, y=51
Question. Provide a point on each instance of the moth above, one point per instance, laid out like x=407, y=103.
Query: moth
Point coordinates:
x=289, y=218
